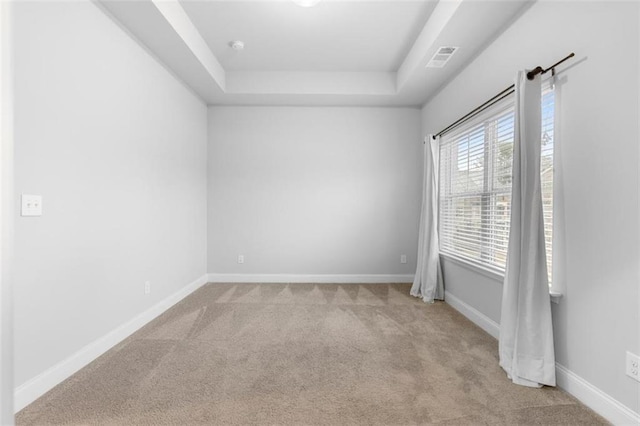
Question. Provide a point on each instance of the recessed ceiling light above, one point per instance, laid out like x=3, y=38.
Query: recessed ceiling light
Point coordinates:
x=306, y=3
x=236, y=45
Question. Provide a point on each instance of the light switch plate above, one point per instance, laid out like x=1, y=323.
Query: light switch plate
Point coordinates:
x=31, y=205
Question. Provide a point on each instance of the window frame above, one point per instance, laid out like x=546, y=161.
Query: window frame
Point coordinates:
x=493, y=114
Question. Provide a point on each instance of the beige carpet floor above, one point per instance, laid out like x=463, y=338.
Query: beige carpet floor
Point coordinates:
x=303, y=354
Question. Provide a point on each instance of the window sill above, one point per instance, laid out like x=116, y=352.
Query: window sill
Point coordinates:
x=489, y=273
x=555, y=296
x=494, y=275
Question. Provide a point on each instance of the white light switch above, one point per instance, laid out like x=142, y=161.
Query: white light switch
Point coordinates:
x=31, y=205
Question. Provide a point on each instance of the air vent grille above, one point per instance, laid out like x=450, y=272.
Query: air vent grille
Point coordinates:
x=441, y=57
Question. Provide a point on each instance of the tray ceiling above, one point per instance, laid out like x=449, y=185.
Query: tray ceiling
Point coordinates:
x=340, y=52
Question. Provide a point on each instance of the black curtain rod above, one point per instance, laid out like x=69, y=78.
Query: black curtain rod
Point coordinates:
x=500, y=96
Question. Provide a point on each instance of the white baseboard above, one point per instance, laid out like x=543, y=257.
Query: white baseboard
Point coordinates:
x=585, y=392
x=305, y=278
x=28, y=392
x=594, y=398
x=474, y=315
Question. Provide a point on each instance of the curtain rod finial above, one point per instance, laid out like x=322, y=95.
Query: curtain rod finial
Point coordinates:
x=532, y=74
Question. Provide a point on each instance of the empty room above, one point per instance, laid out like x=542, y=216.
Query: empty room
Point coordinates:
x=305, y=212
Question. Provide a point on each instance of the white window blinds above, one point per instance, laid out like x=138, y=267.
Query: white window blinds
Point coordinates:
x=475, y=185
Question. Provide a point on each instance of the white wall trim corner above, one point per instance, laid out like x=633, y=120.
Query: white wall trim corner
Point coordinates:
x=28, y=392
x=307, y=278
x=474, y=315
x=585, y=392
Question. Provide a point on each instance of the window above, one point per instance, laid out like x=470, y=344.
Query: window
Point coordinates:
x=475, y=186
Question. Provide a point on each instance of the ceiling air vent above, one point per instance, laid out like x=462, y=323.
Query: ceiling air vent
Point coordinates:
x=441, y=57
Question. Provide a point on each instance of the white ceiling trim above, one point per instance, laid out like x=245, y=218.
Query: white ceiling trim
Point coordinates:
x=311, y=83
x=416, y=58
x=182, y=25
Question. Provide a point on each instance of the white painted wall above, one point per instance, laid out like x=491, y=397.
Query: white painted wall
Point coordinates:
x=117, y=148
x=638, y=258
x=597, y=192
x=6, y=216
x=306, y=190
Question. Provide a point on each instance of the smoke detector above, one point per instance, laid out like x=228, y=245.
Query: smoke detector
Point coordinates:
x=441, y=57
x=236, y=45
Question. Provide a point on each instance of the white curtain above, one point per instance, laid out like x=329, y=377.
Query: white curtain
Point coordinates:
x=427, y=283
x=526, y=332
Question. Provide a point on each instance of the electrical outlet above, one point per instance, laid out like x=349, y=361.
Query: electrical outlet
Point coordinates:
x=633, y=366
x=403, y=258
x=147, y=287
x=31, y=205
x=240, y=258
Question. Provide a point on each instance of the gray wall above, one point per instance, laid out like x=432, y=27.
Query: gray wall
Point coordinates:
x=6, y=217
x=314, y=190
x=117, y=148
x=596, y=251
